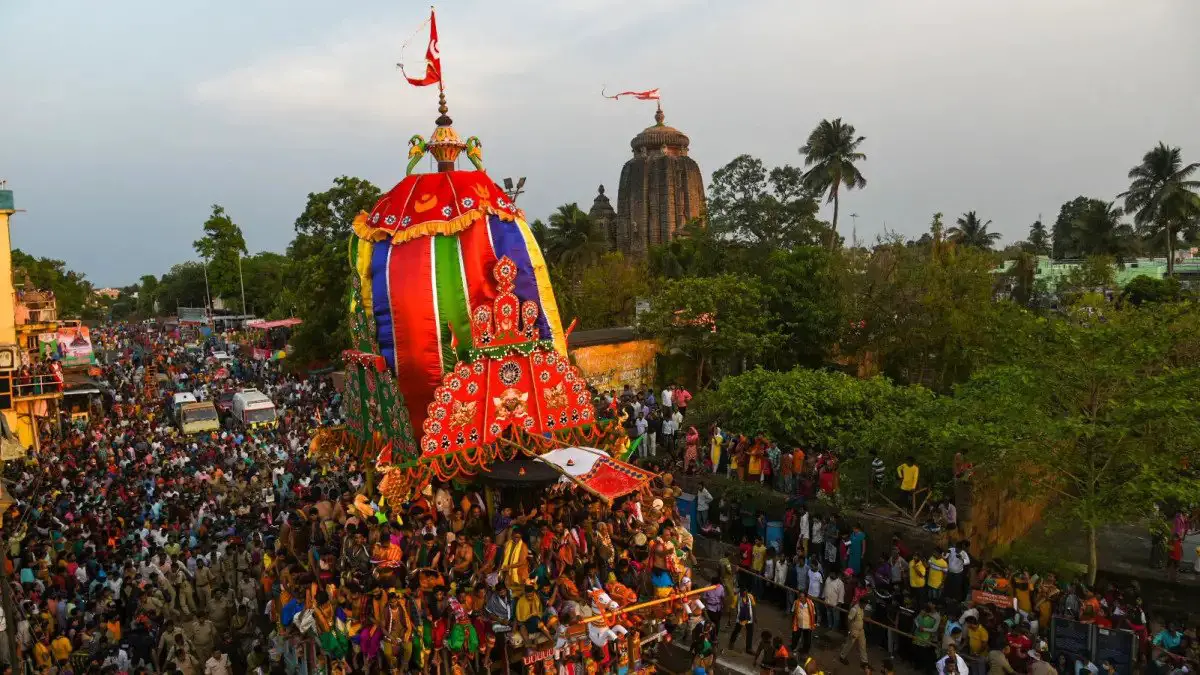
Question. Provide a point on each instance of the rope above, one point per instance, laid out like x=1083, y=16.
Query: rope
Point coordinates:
x=839, y=608
x=404, y=46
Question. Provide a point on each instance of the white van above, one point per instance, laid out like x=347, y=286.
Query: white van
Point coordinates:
x=251, y=408
x=181, y=399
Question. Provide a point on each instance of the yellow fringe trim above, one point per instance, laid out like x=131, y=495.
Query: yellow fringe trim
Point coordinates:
x=429, y=228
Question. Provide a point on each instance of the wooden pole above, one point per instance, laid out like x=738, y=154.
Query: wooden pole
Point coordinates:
x=644, y=605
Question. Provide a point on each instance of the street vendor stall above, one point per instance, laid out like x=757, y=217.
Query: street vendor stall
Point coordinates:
x=269, y=339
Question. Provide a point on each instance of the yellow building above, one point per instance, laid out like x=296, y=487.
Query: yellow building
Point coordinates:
x=24, y=316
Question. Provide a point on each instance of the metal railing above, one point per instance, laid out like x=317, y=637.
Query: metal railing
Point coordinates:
x=30, y=386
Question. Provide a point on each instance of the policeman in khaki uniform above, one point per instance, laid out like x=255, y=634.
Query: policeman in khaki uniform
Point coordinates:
x=168, y=591
x=204, y=636
x=166, y=643
x=204, y=581
x=184, y=592
x=220, y=610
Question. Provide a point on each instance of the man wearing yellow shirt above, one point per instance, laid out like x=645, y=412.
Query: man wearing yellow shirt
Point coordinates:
x=936, y=579
x=758, y=563
x=977, y=638
x=61, y=648
x=910, y=474
x=41, y=655
x=916, y=579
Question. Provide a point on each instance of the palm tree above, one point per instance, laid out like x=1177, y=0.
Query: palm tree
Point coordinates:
x=541, y=233
x=970, y=231
x=1039, y=238
x=831, y=151
x=1098, y=230
x=1162, y=196
x=573, y=237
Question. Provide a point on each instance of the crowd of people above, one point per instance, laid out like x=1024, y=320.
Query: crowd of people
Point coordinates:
x=935, y=608
x=134, y=548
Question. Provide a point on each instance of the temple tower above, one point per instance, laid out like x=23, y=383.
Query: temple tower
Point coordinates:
x=605, y=217
x=661, y=189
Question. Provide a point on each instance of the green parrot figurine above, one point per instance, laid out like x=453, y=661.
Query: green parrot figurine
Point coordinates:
x=416, y=150
x=475, y=152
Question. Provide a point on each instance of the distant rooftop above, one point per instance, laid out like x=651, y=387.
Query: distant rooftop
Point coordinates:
x=1053, y=271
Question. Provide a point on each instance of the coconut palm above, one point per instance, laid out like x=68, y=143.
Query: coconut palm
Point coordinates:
x=969, y=230
x=1098, y=230
x=1039, y=238
x=1162, y=196
x=573, y=237
x=540, y=232
x=831, y=151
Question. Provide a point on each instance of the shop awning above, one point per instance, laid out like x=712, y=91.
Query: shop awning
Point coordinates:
x=263, y=324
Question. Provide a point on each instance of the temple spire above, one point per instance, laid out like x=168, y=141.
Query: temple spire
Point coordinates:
x=658, y=115
x=445, y=144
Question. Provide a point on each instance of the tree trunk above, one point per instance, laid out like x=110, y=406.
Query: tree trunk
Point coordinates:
x=1093, y=558
x=700, y=373
x=833, y=226
x=1170, y=250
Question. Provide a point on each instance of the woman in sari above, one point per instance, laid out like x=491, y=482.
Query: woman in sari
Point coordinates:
x=691, y=454
x=714, y=447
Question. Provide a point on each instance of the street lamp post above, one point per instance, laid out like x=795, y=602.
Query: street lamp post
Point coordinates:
x=514, y=191
x=242, y=283
x=207, y=293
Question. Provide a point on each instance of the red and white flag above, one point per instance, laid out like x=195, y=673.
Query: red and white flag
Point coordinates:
x=648, y=95
x=433, y=58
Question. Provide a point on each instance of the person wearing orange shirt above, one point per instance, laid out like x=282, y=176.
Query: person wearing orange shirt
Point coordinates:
x=785, y=472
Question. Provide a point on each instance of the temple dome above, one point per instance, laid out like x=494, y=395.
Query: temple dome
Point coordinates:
x=660, y=137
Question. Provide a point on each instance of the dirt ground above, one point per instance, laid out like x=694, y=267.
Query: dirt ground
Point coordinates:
x=826, y=645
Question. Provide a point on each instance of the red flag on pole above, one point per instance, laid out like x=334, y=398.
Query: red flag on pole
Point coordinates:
x=648, y=95
x=433, y=58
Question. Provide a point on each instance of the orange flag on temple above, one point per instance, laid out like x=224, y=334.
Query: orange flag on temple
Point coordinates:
x=433, y=58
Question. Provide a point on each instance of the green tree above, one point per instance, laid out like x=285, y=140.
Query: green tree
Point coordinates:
x=715, y=322
x=831, y=153
x=1097, y=419
x=699, y=252
x=762, y=209
x=320, y=269
x=1098, y=230
x=969, y=230
x=1066, y=241
x=574, y=240
x=266, y=276
x=147, y=295
x=181, y=286
x=1024, y=277
x=1142, y=290
x=541, y=233
x=1039, y=238
x=921, y=319
x=801, y=288
x=607, y=292
x=72, y=290
x=806, y=408
x=222, y=248
x=1162, y=197
x=1096, y=274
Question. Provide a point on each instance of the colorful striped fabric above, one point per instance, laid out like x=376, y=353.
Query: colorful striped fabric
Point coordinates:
x=423, y=289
